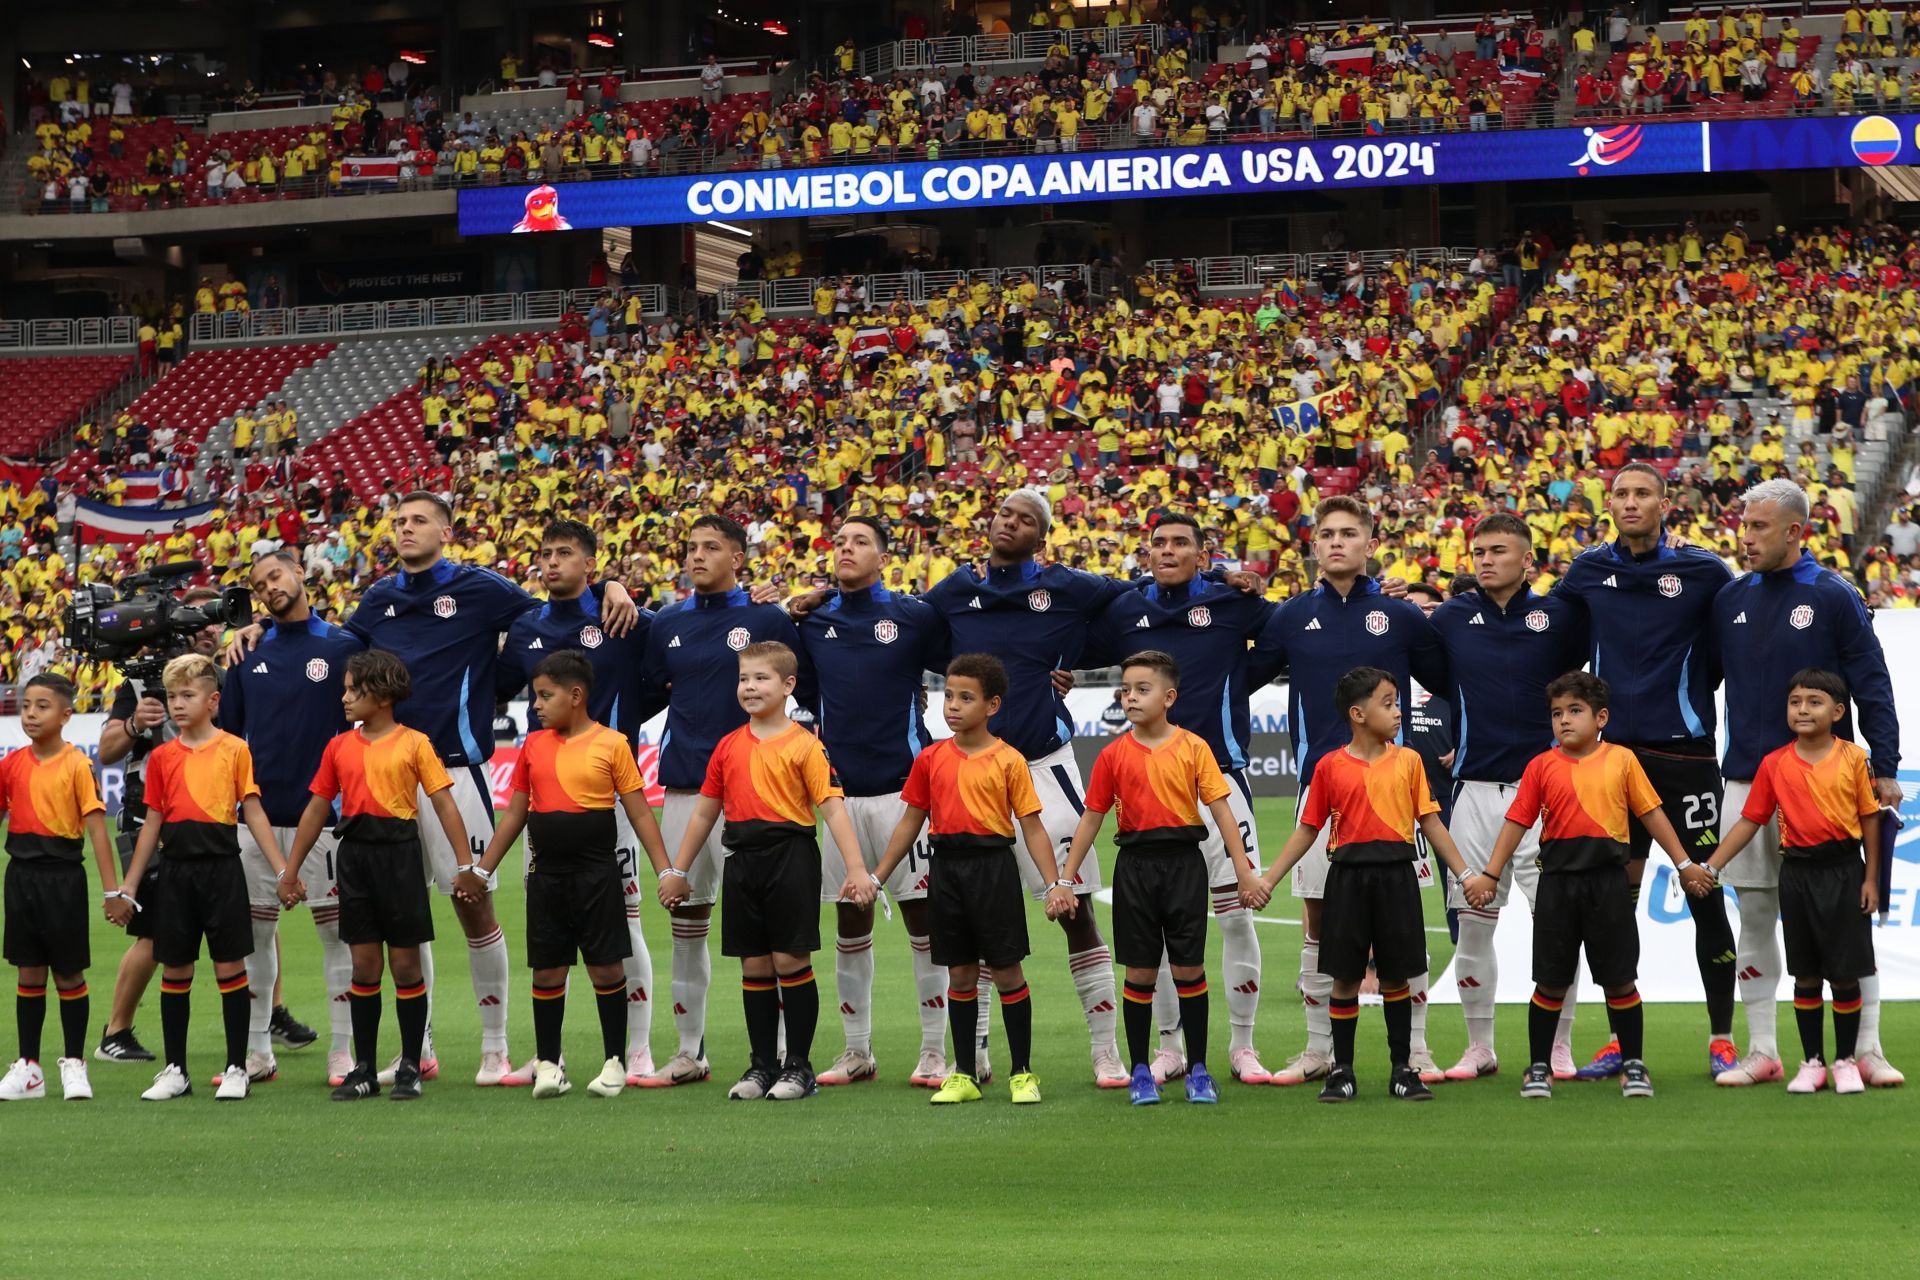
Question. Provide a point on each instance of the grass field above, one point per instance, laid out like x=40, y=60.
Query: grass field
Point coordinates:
x=872, y=1181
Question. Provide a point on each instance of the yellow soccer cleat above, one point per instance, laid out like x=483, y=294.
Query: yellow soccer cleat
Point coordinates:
x=1026, y=1088
x=959, y=1087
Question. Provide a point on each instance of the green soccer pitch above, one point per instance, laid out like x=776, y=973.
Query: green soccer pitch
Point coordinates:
x=870, y=1180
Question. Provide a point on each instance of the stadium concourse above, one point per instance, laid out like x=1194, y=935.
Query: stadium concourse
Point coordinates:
x=1430, y=387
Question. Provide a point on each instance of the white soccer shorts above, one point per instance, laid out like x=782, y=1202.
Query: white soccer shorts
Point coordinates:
x=1479, y=812
x=1310, y=873
x=703, y=878
x=1056, y=781
x=873, y=819
x=263, y=887
x=1758, y=865
x=474, y=799
x=1220, y=872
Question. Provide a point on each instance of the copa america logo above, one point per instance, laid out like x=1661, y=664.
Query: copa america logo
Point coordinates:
x=1040, y=601
x=1377, y=623
x=591, y=637
x=1607, y=147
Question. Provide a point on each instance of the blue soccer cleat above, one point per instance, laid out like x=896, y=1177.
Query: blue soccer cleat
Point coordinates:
x=1141, y=1090
x=1605, y=1065
x=1200, y=1084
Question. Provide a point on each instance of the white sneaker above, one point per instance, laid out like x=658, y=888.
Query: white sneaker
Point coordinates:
x=851, y=1067
x=1810, y=1078
x=261, y=1067
x=494, y=1068
x=1560, y=1058
x=639, y=1065
x=1877, y=1071
x=1755, y=1068
x=429, y=1067
x=23, y=1082
x=1168, y=1064
x=1247, y=1068
x=1308, y=1064
x=931, y=1071
x=74, y=1085
x=1479, y=1060
x=1108, y=1071
x=681, y=1068
x=611, y=1080
x=522, y=1076
x=1846, y=1077
x=234, y=1084
x=339, y=1062
x=171, y=1083
x=549, y=1081
x=1421, y=1060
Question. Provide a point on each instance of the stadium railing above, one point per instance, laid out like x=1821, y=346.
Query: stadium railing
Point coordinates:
x=1229, y=273
x=546, y=306
x=795, y=293
x=1024, y=46
x=87, y=331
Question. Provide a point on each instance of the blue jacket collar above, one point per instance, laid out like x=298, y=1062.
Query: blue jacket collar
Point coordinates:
x=1804, y=570
x=440, y=575
x=315, y=625
x=582, y=606
x=719, y=599
x=1025, y=571
x=860, y=598
x=1661, y=551
x=1362, y=586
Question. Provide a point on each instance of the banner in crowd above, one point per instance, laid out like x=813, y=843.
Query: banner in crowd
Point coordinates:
x=97, y=522
x=1639, y=147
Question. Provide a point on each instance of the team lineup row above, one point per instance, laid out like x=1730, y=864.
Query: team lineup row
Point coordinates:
x=861, y=657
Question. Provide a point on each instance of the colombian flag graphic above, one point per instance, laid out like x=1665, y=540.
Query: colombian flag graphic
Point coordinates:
x=1876, y=140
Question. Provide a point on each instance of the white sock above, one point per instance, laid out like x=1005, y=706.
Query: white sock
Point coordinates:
x=1869, y=1039
x=983, y=1004
x=1316, y=989
x=336, y=967
x=853, y=983
x=1239, y=966
x=692, y=975
x=1563, y=1030
x=639, y=972
x=1166, y=1006
x=1417, y=994
x=263, y=970
x=426, y=976
x=930, y=985
x=1477, y=974
x=1092, y=971
x=1757, y=958
x=487, y=960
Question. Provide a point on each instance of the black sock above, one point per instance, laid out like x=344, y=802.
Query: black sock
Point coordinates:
x=410, y=1011
x=30, y=1015
x=1846, y=1019
x=176, y=1011
x=363, y=1004
x=1543, y=1016
x=1809, y=1015
x=1136, y=1009
x=962, y=1017
x=549, y=1015
x=1016, y=1011
x=1629, y=1022
x=1193, y=1015
x=1346, y=1020
x=236, y=1009
x=74, y=1016
x=612, y=1004
x=1397, y=1005
x=762, y=1001
x=800, y=1004
x=1713, y=950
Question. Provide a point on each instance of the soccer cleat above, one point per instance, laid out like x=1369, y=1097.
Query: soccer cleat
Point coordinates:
x=1722, y=1056
x=1200, y=1086
x=796, y=1082
x=122, y=1047
x=1877, y=1071
x=958, y=1087
x=1025, y=1087
x=611, y=1080
x=1538, y=1082
x=171, y=1083
x=1846, y=1077
x=235, y=1084
x=261, y=1067
x=512, y=1078
x=406, y=1081
x=931, y=1073
x=1141, y=1090
x=1605, y=1064
x=1168, y=1064
x=683, y=1068
x=1755, y=1068
x=851, y=1067
x=1340, y=1085
x=1560, y=1058
x=339, y=1063
x=24, y=1082
x=1810, y=1078
x=1247, y=1068
x=1408, y=1085
x=1634, y=1080
x=1108, y=1073
x=752, y=1086
x=639, y=1066
x=1308, y=1064
x=1421, y=1060
x=1479, y=1060
x=549, y=1081
x=359, y=1082
x=288, y=1031
x=74, y=1085
x=429, y=1067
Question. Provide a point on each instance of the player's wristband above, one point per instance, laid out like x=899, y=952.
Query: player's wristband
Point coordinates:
x=1063, y=884
x=878, y=883
x=125, y=897
x=670, y=871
